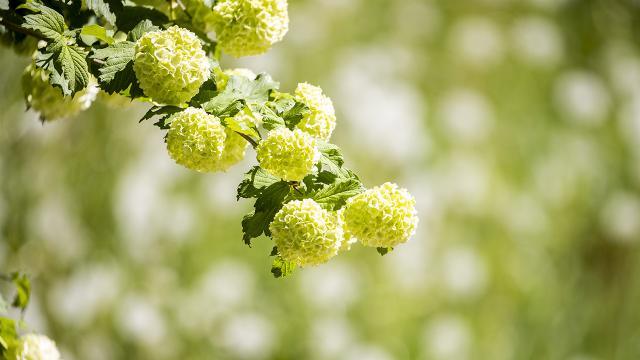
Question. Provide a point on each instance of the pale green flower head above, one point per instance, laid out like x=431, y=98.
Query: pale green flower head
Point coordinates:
x=250, y=27
x=49, y=101
x=171, y=65
x=348, y=239
x=321, y=120
x=384, y=216
x=305, y=233
x=196, y=140
x=287, y=154
x=34, y=347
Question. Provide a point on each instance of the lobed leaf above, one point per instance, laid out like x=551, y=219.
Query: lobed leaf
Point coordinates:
x=334, y=196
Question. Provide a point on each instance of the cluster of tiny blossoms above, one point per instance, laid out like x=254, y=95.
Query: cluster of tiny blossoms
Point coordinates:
x=171, y=65
x=384, y=216
x=34, y=347
x=289, y=155
x=49, y=101
x=250, y=27
x=305, y=233
x=321, y=120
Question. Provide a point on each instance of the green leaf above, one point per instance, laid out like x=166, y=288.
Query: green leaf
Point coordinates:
x=239, y=88
x=8, y=333
x=115, y=73
x=98, y=32
x=164, y=112
x=23, y=287
x=142, y=28
x=107, y=9
x=46, y=21
x=242, y=126
x=384, y=250
x=334, y=196
x=75, y=71
x=270, y=120
x=281, y=267
x=254, y=182
x=296, y=113
x=265, y=208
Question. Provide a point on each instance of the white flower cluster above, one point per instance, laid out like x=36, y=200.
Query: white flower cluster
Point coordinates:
x=383, y=216
x=34, y=347
x=287, y=154
x=250, y=27
x=306, y=234
x=171, y=65
x=49, y=101
x=321, y=120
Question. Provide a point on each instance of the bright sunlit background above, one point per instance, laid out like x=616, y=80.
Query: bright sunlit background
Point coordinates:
x=516, y=125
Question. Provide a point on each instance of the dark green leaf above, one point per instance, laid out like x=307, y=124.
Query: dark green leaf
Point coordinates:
x=130, y=17
x=384, y=250
x=142, y=28
x=240, y=88
x=255, y=181
x=115, y=71
x=164, y=112
x=46, y=21
x=107, y=9
x=73, y=63
x=266, y=206
x=293, y=116
x=334, y=196
x=282, y=268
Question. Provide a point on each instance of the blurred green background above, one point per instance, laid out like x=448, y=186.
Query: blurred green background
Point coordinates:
x=516, y=124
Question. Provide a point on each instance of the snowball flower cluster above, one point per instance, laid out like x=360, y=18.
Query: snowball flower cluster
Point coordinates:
x=171, y=65
x=305, y=233
x=287, y=154
x=34, y=347
x=196, y=140
x=384, y=216
x=49, y=100
x=321, y=120
x=249, y=27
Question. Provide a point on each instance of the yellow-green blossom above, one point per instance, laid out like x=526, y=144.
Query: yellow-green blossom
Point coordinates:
x=321, y=120
x=287, y=154
x=34, y=347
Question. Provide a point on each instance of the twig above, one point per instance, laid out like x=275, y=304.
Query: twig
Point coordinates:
x=253, y=143
x=17, y=28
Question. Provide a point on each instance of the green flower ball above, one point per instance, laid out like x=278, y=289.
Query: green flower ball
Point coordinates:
x=348, y=239
x=250, y=27
x=287, y=154
x=48, y=100
x=384, y=216
x=171, y=65
x=196, y=140
x=321, y=120
x=305, y=233
x=34, y=347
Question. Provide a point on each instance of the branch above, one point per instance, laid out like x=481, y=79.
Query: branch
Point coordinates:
x=19, y=29
x=253, y=143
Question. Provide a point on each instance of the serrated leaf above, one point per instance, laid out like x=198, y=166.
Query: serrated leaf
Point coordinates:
x=98, y=32
x=270, y=120
x=23, y=288
x=281, y=268
x=72, y=61
x=240, y=88
x=107, y=9
x=334, y=196
x=296, y=113
x=265, y=208
x=115, y=73
x=46, y=21
x=255, y=181
x=242, y=125
x=384, y=250
x=164, y=112
x=142, y=28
